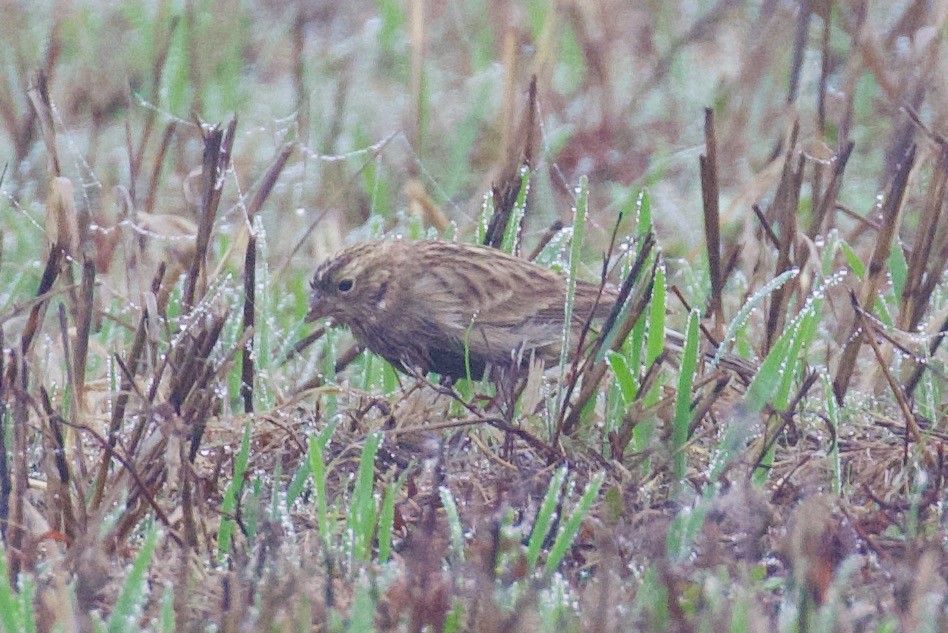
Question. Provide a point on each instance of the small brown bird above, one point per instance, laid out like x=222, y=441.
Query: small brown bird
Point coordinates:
x=445, y=307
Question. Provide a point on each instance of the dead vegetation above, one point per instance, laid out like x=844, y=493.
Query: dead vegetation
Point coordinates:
x=177, y=453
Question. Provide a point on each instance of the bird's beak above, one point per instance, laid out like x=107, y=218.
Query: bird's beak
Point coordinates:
x=317, y=308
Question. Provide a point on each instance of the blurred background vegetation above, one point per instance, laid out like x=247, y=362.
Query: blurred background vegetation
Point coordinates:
x=771, y=511
x=381, y=93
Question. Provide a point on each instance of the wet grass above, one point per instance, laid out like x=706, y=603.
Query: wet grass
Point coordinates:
x=755, y=440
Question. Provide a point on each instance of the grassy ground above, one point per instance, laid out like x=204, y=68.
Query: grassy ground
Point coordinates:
x=182, y=453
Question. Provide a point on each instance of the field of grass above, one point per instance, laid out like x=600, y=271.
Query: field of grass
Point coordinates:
x=757, y=441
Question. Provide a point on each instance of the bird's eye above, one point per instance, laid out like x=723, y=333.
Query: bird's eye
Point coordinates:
x=345, y=285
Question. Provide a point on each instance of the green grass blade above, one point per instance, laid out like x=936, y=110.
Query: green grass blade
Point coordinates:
x=387, y=521
x=831, y=247
x=362, y=513
x=634, y=346
x=329, y=372
x=689, y=364
x=317, y=468
x=654, y=347
x=781, y=398
x=655, y=341
x=651, y=600
x=744, y=313
x=686, y=525
x=10, y=613
x=27, y=597
x=454, y=521
x=512, y=230
x=855, y=264
x=762, y=473
x=643, y=213
x=454, y=618
x=167, y=611
x=232, y=496
x=898, y=269
x=832, y=414
x=728, y=449
x=362, y=615
x=575, y=256
x=263, y=335
x=564, y=539
x=544, y=519
x=487, y=212
x=392, y=23
x=635, y=298
x=175, y=85
x=295, y=489
x=768, y=378
x=129, y=604
x=624, y=377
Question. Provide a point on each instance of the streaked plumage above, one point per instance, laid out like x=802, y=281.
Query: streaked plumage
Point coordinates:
x=420, y=304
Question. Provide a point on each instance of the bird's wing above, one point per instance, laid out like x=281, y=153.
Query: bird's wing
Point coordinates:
x=519, y=312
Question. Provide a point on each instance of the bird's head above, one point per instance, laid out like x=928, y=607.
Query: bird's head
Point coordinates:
x=348, y=285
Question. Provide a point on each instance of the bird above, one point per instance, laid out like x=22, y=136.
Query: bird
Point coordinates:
x=452, y=308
